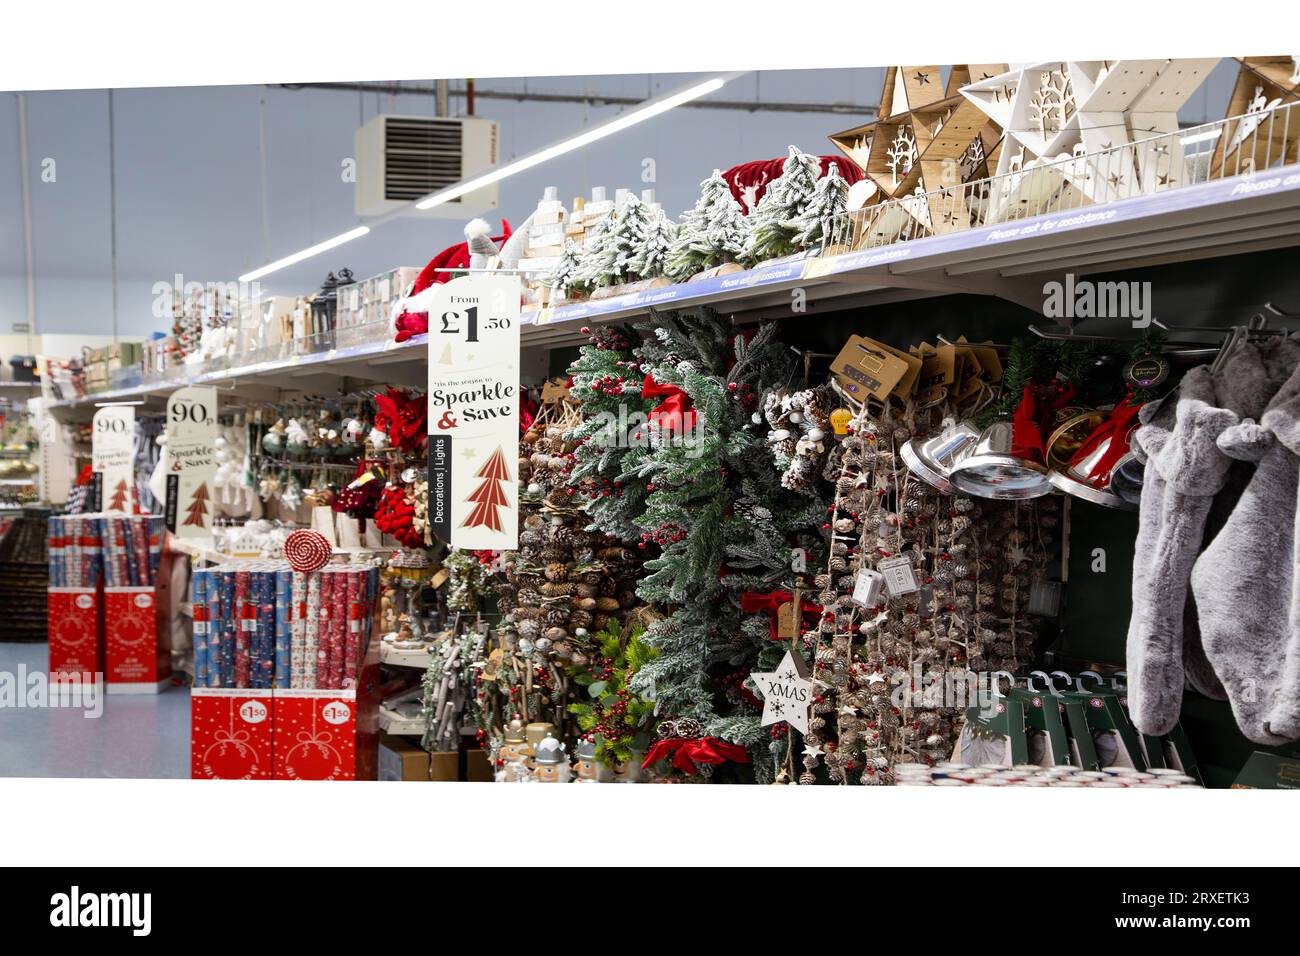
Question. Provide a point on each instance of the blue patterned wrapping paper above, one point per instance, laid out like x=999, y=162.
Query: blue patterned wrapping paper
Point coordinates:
x=283, y=625
x=199, y=600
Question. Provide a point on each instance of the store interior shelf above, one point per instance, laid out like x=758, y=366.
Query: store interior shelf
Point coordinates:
x=1009, y=260
x=393, y=723
x=399, y=657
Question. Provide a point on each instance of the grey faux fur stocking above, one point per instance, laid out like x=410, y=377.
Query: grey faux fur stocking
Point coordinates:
x=1184, y=470
x=1245, y=583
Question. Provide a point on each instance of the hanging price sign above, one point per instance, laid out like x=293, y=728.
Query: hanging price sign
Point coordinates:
x=112, y=460
x=474, y=412
x=190, y=462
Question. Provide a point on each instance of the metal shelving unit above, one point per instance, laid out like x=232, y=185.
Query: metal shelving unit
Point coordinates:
x=1011, y=260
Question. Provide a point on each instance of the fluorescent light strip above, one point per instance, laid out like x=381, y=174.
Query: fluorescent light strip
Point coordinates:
x=648, y=110
x=307, y=253
x=631, y=118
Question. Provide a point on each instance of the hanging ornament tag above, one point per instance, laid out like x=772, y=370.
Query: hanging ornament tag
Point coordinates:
x=840, y=420
x=493, y=664
x=788, y=618
x=900, y=578
x=867, y=587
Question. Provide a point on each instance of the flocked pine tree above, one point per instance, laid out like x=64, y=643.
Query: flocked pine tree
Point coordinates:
x=712, y=233
x=612, y=440
x=650, y=261
x=775, y=221
x=814, y=226
x=563, y=279
x=597, y=263
x=716, y=508
x=632, y=226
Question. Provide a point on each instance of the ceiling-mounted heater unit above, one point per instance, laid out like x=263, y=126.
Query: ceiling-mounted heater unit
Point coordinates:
x=404, y=158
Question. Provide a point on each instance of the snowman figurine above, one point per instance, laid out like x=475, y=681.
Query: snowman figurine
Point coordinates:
x=550, y=763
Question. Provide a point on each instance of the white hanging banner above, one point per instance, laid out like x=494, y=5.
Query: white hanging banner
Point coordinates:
x=474, y=412
x=112, y=460
x=190, y=462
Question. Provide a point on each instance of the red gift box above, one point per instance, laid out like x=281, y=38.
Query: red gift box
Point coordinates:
x=231, y=734
x=137, y=640
x=76, y=629
x=316, y=735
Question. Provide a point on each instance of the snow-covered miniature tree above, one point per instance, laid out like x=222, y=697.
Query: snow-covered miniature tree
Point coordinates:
x=596, y=265
x=631, y=230
x=651, y=260
x=774, y=221
x=713, y=232
x=829, y=201
x=563, y=279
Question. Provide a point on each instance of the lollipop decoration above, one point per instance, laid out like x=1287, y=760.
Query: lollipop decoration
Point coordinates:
x=307, y=550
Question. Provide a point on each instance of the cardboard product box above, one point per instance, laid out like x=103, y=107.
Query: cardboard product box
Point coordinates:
x=76, y=629
x=332, y=734
x=478, y=768
x=137, y=640
x=400, y=759
x=320, y=736
x=231, y=734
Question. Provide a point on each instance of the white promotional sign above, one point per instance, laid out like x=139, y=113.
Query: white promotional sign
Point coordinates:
x=112, y=460
x=191, y=433
x=474, y=412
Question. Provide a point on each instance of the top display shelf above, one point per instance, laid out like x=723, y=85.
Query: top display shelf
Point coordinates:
x=1233, y=215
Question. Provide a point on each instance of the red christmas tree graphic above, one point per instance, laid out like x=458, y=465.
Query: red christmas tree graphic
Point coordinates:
x=198, y=509
x=490, y=494
x=119, y=497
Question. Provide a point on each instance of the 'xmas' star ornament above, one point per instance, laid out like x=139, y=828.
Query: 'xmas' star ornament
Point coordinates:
x=786, y=692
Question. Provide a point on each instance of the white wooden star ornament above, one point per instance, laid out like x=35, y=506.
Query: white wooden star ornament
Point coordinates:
x=1061, y=111
x=786, y=692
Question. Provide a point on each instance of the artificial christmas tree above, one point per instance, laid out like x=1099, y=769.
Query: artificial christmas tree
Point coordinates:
x=613, y=437
x=563, y=280
x=651, y=259
x=775, y=221
x=821, y=220
x=714, y=232
x=725, y=526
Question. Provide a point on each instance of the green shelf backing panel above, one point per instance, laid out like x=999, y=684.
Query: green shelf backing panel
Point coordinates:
x=1095, y=628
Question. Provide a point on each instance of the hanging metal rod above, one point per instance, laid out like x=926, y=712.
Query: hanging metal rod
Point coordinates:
x=593, y=99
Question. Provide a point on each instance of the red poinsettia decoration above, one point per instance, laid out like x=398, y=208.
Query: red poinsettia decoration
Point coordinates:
x=402, y=418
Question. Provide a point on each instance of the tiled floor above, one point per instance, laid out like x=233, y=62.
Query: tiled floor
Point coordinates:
x=135, y=736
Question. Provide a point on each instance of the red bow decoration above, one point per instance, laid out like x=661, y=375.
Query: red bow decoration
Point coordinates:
x=686, y=752
x=752, y=602
x=1117, y=428
x=1026, y=438
x=527, y=412
x=402, y=419
x=674, y=413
